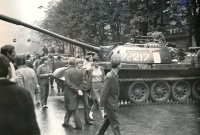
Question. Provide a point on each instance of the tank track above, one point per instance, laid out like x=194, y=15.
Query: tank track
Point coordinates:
x=125, y=103
x=149, y=101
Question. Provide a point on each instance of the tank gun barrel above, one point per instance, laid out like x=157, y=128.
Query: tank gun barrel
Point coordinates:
x=77, y=43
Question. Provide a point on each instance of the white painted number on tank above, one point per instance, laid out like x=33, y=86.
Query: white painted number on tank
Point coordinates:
x=135, y=56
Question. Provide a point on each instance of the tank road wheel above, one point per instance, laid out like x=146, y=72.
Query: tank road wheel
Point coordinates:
x=138, y=92
x=160, y=91
x=196, y=90
x=181, y=90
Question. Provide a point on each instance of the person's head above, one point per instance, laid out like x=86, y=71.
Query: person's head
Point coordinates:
x=87, y=58
x=96, y=61
x=43, y=60
x=28, y=56
x=20, y=59
x=38, y=56
x=72, y=61
x=9, y=52
x=115, y=64
x=44, y=46
x=4, y=68
x=59, y=57
x=79, y=62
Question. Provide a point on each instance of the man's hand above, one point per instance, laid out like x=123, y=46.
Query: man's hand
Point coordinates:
x=80, y=92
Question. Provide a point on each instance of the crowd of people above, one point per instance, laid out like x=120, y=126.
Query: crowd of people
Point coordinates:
x=25, y=82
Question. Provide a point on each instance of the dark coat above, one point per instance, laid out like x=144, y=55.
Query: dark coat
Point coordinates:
x=85, y=82
x=58, y=64
x=110, y=92
x=73, y=80
x=17, y=115
x=29, y=63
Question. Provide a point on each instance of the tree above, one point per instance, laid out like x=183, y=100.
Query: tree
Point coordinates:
x=93, y=21
x=185, y=11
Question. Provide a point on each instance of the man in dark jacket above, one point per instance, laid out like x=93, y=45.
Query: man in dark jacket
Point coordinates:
x=45, y=50
x=17, y=115
x=73, y=80
x=52, y=50
x=59, y=63
x=109, y=100
x=56, y=65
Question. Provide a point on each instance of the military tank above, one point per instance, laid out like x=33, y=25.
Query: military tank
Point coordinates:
x=147, y=72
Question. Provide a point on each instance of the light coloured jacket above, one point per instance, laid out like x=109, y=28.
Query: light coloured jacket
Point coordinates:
x=26, y=77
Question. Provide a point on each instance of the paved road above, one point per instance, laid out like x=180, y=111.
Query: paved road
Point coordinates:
x=173, y=119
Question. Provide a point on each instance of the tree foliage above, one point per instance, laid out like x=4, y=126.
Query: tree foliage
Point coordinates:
x=99, y=21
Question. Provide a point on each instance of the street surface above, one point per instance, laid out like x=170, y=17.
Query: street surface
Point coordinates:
x=171, y=119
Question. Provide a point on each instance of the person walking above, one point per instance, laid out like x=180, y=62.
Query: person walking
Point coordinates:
x=84, y=88
x=43, y=73
x=36, y=63
x=29, y=62
x=9, y=52
x=109, y=100
x=96, y=79
x=58, y=64
x=73, y=80
x=50, y=62
x=27, y=78
x=17, y=114
x=87, y=64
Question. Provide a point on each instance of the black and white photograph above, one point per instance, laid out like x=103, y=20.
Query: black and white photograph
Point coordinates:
x=99, y=67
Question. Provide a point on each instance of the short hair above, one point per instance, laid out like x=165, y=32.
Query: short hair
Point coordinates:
x=115, y=63
x=59, y=57
x=4, y=66
x=20, y=59
x=72, y=61
x=28, y=55
x=42, y=60
x=87, y=58
x=7, y=48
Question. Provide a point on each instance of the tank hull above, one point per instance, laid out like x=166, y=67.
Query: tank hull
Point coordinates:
x=159, y=84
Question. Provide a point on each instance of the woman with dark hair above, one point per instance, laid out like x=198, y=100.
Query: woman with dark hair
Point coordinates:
x=9, y=52
x=43, y=73
x=26, y=77
x=96, y=77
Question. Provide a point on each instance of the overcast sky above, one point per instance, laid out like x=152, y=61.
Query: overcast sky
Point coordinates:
x=24, y=10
